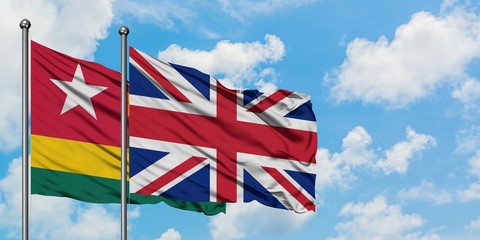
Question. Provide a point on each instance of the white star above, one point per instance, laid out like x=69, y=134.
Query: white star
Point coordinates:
x=78, y=92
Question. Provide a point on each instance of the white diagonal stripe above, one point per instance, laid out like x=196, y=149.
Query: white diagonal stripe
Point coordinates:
x=177, y=154
x=160, y=168
x=274, y=116
x=253, y=164
x=175, y=78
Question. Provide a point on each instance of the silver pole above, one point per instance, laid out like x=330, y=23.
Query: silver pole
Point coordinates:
x=123, y=31
x=25, y=26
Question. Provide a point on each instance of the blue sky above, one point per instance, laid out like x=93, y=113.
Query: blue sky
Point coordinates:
x=395, y=88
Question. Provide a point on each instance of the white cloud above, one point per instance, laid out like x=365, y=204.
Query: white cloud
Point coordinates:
x=448, y=5
x=470, y=194
x=331, y=171
x=377, y=220
x=398, y=157
x=11, y=196
x=90, y=222
x=337, y=169
x=249, y=219
x=134, y=213
x=420, y=236
x=242, y=68
x=471, y=231
x=468, y=139
x=425, y=191
x=163, y=13
x=355, y=151
x=197, y=15
x=468, y=94
x=172, y=14
x=52, y=217
x=473, y=226
x=411, y=66
x=170, y=234
x=241, y=9
x=73, y=27
x=474, y=163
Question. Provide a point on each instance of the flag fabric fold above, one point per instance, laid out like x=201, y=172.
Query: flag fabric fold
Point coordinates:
x=195, y=140
x=75, y=132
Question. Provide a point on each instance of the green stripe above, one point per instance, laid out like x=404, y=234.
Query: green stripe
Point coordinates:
x=104, y=190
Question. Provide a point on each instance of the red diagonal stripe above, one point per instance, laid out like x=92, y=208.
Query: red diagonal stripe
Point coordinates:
x=171, y=175
x=269, y=101
x=295, y=192
x=157, y=76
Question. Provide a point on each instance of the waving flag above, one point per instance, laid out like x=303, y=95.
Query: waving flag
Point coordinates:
x=75, y=132
x=195, y=140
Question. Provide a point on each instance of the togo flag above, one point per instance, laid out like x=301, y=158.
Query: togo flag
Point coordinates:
x=76, y=132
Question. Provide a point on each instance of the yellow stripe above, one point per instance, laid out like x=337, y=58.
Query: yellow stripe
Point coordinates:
x=75, y=157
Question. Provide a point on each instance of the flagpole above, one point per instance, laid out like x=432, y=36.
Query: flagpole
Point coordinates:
x=123, y=31
x=25, y=26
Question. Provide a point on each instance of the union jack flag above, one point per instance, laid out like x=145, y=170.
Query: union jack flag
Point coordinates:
x=195, y=140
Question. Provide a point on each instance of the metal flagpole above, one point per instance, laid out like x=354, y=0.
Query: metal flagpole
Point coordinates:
x=123, y=31
x=25, y=26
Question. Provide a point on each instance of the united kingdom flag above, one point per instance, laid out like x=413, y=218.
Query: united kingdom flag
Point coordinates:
x=195, y=140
